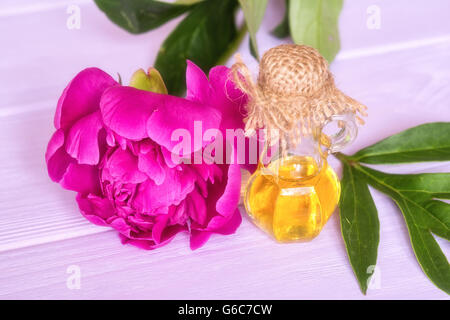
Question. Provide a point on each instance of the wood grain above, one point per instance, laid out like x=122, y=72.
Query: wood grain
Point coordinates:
x=400, y=71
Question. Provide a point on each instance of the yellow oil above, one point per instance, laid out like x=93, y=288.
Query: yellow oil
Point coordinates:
x=295, y=201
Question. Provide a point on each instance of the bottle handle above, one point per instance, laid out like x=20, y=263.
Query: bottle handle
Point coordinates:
x=339, y=131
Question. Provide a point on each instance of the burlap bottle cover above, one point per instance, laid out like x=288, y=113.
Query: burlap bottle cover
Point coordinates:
x=294, y=93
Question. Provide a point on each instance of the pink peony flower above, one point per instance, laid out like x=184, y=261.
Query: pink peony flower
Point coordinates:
x=113, y=146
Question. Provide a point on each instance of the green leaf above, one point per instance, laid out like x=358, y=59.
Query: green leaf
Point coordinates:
x=139, y=16
x=203, y=36
x=234, y=45
x=253, y=50
x=430, y=256
x=359, y=224
x=427, y=142
x=282, y=29
x=413, y=194
x=440, y=210
x=315, y=23
x=419, y=192
x=430, y=185
x=417, y=195
x=150, y=82
x=254, y=13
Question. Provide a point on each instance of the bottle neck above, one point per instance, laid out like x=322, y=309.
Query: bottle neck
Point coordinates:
x=294, y=159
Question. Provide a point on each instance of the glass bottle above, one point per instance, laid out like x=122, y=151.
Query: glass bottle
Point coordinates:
x=294, y=191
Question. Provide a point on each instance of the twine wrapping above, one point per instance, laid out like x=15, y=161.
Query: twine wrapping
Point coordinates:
x=294, y=86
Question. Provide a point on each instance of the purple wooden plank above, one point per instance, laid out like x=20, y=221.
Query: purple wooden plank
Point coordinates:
x=404, y=84
x=246, y=265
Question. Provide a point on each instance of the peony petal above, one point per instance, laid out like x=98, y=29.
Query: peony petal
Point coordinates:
x=82, y=96
x=184, y=116
x=158, y=228
x=168, y=235
x=56, y=142
x=227, y=99
x=56, y=157
x=196, y=207
x=125, y=110
x=231, y=102
x=152, y=164
x=178, y=214
x=81, y=178
x=142, y=244
x=143, y=224
x=121, y=225
x=141, y=235
x=226, y=96
x=199, y=238
x=176, y=186
x=225, y=225
x=122, y=166
x=197, y=84
x=82, y=140
x=167, y=155
x=223, y=198
x=208, y=172
x=136, y=114
x=229, y=200
x=232, y=224
x=96, y=209
x=57, y=164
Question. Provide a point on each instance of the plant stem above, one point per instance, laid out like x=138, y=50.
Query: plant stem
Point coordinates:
x=347, y=159
x=342, y=157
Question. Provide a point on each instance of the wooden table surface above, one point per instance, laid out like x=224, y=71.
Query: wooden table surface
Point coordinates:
x=401, y=71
